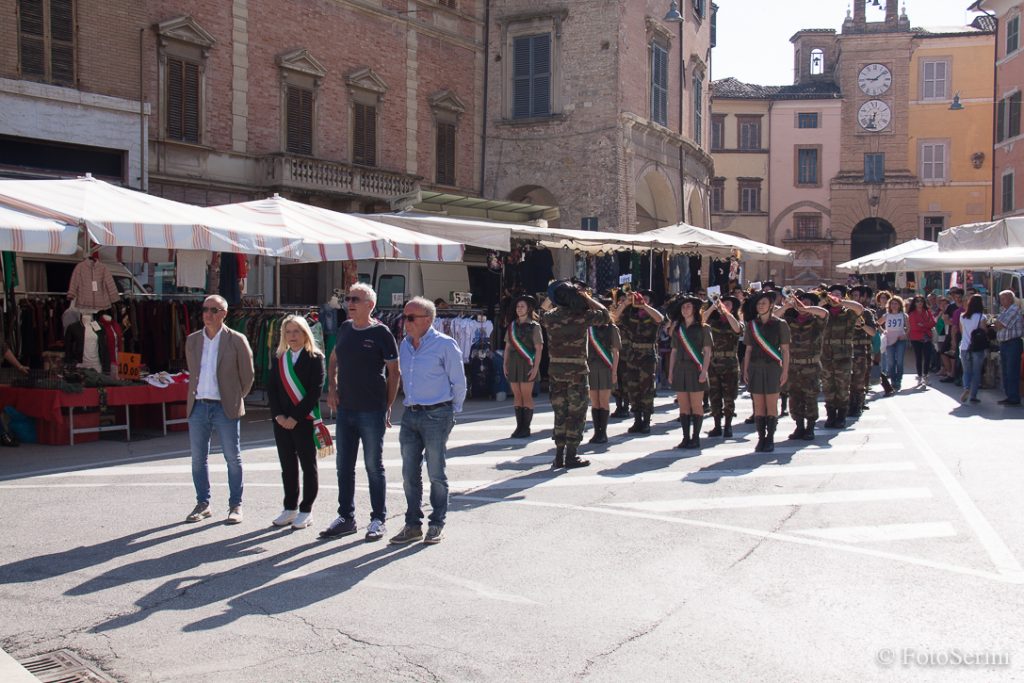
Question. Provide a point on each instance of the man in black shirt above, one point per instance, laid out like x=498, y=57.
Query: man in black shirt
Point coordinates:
x=363, y=379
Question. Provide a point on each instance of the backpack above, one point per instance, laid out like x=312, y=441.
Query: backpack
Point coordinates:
x=979, y=338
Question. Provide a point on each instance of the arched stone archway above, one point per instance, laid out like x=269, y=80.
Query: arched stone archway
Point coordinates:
x=655, y=202
x=871, y=235
x=695, y=212
x=534, y=194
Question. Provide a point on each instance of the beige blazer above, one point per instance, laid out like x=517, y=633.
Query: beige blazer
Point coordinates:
x=234, y=369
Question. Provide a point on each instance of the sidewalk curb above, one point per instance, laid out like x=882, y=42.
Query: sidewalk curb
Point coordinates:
x=13, y=672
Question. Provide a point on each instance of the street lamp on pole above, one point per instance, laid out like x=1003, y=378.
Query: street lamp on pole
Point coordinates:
x=673, y=12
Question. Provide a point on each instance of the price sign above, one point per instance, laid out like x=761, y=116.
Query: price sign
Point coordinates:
x=128, y=365
x=397, y=298
x=623, y=279
x=460, y=298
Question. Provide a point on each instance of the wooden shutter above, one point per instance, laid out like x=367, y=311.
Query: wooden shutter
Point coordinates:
x=62, y=42
x=1001, y=120
x=32, y=37
x=542, y=75
x=364, y=135
x=659, y=84
x=521, y=78
x=1013, y=116
x=445, y=154
x=182, y=100
x=299, y=121
x=531, y=76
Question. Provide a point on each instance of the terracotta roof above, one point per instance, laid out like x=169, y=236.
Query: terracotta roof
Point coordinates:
x=732, y=89
x=813, y=90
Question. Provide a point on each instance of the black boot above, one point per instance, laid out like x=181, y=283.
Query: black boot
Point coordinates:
x=798, y=433
x=840, y=422
x=527, y=419
x=830, y=420
x=645, y=422
x=761, y=428
x=785, y=405
x=769, y=440
x=572, y=461
x=707, y=404
x=559, y=456
x=685, y=421
x=518, y=433
x=727, y=430
x=854, y=410
x=809, y=431
x=698, y=421
x=600, y=426
x=638, y=421
x=717, y=429
x=887, y=386
x=621, y=408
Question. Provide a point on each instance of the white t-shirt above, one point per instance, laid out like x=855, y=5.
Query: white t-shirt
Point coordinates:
x=968, y=325
x=895, y=327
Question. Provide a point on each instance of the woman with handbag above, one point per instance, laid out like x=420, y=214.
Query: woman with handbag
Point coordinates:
x=973, y=347
x=296, y=380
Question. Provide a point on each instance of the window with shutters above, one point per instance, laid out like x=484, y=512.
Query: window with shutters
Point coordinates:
x=1013, y=34
x=1007, y=192
x=301, y=76
x=807, y=119
x=717, y=195
x=698, y=109
x=749, y=132
x=183, y=79
x=445, y=154
x=1008, y=117
x=46, y=40
x=717, y=131
x=450, y=4
x=933, y=154
x=447, y=108
x=750, y=195
x=874, y=167
x=935, y=79
x=299, y=120
x=531, y=76
x=808, y=172
x=366, y=97
x=659, y=83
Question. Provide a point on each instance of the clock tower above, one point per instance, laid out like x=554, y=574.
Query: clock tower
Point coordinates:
x=875, y=194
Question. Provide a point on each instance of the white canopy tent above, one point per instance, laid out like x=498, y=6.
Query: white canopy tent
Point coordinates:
x=689, y=238
x=876, y=261
x=22, y=232
x=1002, y=234
x=931, y=258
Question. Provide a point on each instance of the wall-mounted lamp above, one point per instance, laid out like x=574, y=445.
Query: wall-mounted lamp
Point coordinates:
x=673, y=15
x=956, y=106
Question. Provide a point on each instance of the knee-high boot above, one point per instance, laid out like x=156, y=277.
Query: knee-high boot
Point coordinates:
x=518, y=433
x=698, y=421
x=769, y=441
x=785, y=404
x=527, y=419
x=761, y=423
x=685, y=421
x=600, y=425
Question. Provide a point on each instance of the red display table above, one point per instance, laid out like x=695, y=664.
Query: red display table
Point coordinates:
x=50, y=404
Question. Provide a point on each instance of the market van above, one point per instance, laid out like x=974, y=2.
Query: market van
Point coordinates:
x=398, y=281
x=50, y=274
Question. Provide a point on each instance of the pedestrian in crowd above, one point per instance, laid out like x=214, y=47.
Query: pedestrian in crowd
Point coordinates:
x=604, y=345
x=837, y=354
x=523, y=351
x=920, y=325
x=293, y=390
x=895, y=325
x=766, y=367
x=688, y=365
x=724, y=373
x=568, y=314
x=879, y=310
x=1009, y=330
x=638, y=322
x=362, y=384
x=953, y=312
x=220, y=376
x=943, y=340
x=434, y=382
x=863, y=337
x=806, y=321
x=6, y=437
x=973, y=347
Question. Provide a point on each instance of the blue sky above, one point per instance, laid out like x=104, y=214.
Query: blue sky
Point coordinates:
x=769, y=24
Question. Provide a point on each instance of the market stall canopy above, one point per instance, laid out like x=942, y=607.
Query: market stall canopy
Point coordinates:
x=959, y=260
x=24, y=233
x=1001, y=234
x=119, y=217
x=484, y=234
x=688, y=238
x=334, y=236
x=869, y=262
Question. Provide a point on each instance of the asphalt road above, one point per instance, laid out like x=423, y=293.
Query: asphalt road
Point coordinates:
x=889, y=551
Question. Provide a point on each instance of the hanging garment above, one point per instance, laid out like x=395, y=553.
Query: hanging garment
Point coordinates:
x=92, y=287
x=190, y=268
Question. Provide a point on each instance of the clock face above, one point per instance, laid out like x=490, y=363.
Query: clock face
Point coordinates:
x=874, y=115
x=874, y=79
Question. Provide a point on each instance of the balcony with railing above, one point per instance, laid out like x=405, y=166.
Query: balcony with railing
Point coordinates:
x=286, y=172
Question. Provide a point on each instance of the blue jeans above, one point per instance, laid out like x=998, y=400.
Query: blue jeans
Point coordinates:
x=352, y=427
x=1009, y=361
x=204, y=419
x=894, y=354
x=424, y=434
x=973, y=362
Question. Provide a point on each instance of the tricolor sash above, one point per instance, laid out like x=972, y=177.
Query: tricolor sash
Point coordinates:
x=692, y=351
x=296, y=392
x=518, y=345
x=602, y=353
x=766, y=346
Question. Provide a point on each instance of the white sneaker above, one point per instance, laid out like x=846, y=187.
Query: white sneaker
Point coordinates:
x=285, y=518
x=302, y=520
x=375, y=531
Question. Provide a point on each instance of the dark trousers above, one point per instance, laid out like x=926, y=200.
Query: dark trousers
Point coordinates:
x=922, y=356
x=297, y=447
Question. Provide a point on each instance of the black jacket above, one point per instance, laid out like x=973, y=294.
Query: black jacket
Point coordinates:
x=311, y=373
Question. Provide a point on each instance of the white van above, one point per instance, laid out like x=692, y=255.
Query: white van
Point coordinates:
x=50, y=274
x=398, y=281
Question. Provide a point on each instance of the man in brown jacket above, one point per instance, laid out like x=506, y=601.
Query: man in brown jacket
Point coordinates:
x=220, y=375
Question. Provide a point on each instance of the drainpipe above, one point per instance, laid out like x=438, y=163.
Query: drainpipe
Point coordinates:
x=487, y=71
x=143, y=176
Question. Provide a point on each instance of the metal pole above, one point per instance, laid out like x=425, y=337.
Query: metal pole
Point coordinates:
x=277, y=280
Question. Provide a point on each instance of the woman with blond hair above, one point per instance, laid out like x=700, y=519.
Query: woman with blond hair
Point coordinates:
x=296, y=380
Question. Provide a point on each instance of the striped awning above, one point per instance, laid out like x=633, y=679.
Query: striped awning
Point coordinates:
x=120, y=217
x=22, y=232
x=334, y=236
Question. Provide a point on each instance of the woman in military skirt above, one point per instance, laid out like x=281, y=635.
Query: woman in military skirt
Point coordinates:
x=603, y=346
x=688, y=366
x=524, y=345
x=766, y=367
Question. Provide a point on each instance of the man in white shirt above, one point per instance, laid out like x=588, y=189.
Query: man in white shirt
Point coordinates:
x=220, y=375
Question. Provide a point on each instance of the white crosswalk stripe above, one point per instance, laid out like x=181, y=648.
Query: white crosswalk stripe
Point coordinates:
x=777, y=500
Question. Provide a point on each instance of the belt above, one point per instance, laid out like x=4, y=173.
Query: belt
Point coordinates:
x=838, y=342
x=416, y=408
x=804, y=361
x=724, y=354
x=208, y=400
x=573, y=361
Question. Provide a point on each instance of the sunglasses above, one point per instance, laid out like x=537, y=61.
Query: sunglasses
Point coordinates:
x=412, y=318
x=212, y=310
x=352, y=299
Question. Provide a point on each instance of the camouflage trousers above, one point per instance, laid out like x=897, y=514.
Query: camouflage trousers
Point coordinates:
x=835, y=382
x=723, y=387
x=569, y=400
x=860, y=378
x=638, y=380
x=804, y=385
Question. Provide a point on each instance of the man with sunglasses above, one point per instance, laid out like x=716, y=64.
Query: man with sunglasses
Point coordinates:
x=362, y=383
x=434, y=383
x=220, y=374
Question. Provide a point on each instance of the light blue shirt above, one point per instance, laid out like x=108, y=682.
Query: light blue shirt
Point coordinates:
x=433, y=373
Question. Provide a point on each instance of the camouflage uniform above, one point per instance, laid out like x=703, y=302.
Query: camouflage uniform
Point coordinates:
x=860, y=379
x=805, y=366
x=724, y=373
x=837, y=363
x=640, y=356
x=568, y=372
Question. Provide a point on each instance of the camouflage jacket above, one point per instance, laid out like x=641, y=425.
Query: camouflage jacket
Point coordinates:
x=805, y=338
x=837, y=342
x=567, y=334
x=724, y=341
